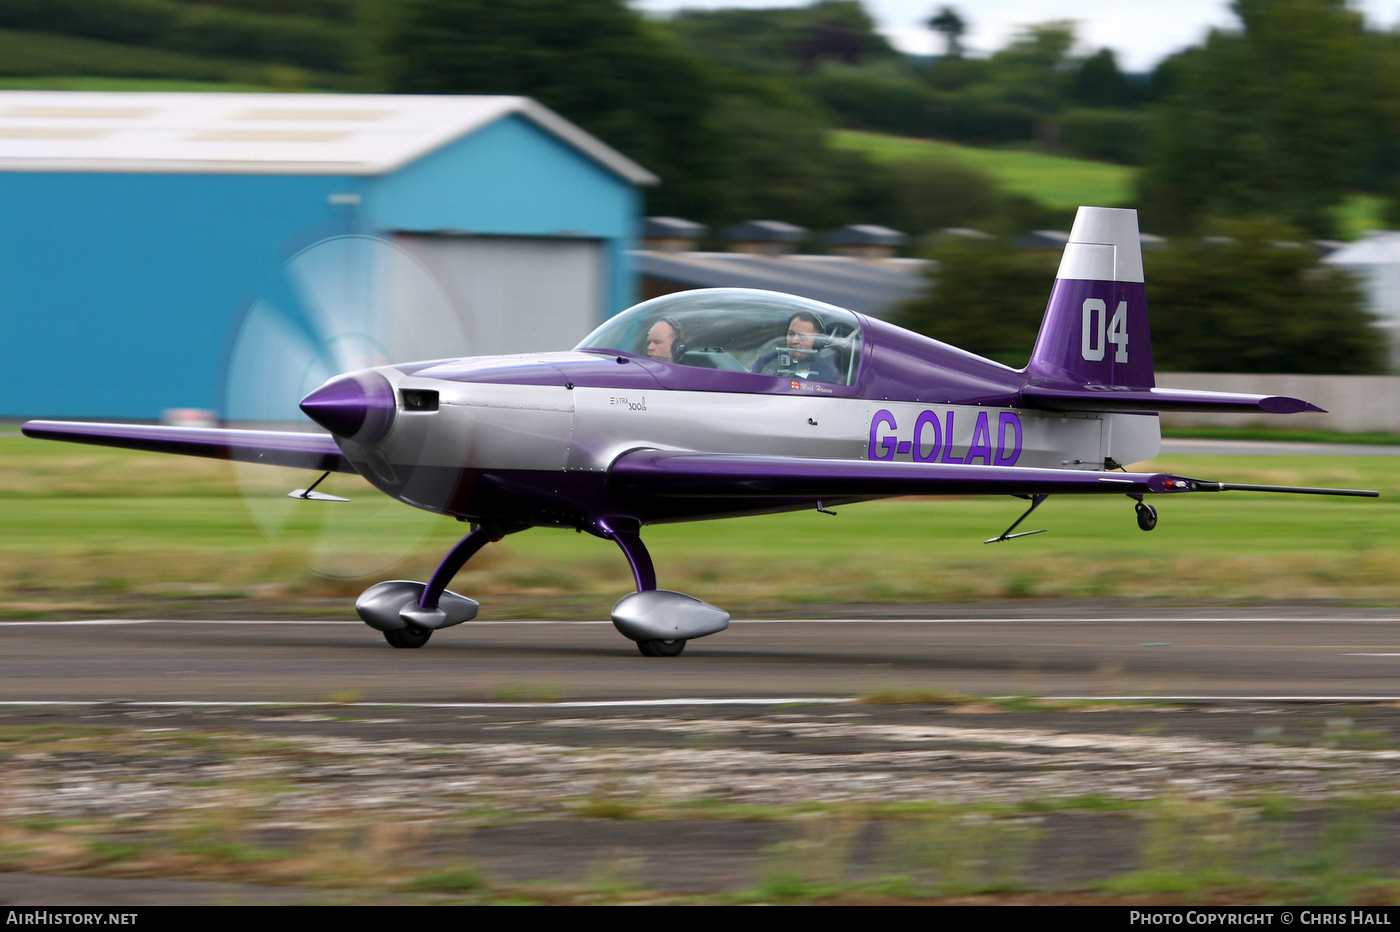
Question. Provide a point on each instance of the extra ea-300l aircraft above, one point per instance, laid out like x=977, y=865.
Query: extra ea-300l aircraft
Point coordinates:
x=723, y=402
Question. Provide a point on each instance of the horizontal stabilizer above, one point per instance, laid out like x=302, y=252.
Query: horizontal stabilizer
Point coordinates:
x=1127, y=401
x=272, y=447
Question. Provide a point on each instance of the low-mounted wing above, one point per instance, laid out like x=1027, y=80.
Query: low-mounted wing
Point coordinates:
x=274, y=448
x=671, y=474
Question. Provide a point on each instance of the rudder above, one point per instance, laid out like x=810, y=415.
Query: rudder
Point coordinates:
x=1095, y=330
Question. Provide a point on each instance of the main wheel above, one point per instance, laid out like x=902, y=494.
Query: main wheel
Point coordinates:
x=1146, y=516
x=410, y=636
x=658, y=648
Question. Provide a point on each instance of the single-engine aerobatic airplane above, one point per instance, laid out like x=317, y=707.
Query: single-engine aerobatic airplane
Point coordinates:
x=723, y=402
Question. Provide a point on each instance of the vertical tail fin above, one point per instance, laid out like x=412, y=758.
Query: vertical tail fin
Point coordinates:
x=1095, y=328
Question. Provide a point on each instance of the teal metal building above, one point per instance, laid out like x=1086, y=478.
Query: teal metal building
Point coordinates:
x=148, y=242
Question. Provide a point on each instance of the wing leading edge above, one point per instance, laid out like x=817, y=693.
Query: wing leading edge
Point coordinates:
x=271, y=447
x=670, y=474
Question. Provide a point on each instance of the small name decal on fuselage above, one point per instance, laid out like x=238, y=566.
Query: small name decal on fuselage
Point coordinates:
x=638, y=405
x=929, y=439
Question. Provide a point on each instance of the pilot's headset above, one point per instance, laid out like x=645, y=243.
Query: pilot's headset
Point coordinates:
x=678, y=345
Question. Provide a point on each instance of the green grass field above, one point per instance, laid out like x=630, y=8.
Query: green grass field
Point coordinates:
x=1358, y=214
x=1058, y=182
x=28, y=59
x=85, y=530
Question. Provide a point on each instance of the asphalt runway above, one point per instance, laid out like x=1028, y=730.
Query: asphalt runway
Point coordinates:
x=562, y=723
x=1027, y=649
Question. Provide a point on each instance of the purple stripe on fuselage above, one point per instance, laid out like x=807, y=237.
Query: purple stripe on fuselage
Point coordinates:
x=543, y=498
x=905, y=366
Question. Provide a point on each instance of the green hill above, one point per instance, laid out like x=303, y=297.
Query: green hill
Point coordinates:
x=43, y=61
x=1055, y=181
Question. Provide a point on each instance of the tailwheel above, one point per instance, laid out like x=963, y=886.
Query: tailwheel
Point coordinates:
x=409, y=636
x=660, y=648
x=1146, y=516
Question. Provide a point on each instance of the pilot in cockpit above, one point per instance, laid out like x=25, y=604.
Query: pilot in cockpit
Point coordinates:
x=802, y=356
x=666, y=340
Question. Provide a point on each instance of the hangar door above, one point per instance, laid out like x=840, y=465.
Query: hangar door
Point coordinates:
x=516, y=294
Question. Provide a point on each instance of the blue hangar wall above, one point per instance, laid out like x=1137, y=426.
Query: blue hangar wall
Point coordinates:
x=120, y=292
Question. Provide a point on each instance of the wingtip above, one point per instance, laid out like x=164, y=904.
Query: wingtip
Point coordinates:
x=1282, y=404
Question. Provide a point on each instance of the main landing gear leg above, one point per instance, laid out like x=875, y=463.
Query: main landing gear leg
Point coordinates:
x=409, y=612
x=628, y=536
x=660, y=621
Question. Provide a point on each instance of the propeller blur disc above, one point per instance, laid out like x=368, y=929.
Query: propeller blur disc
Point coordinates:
x=345, y=303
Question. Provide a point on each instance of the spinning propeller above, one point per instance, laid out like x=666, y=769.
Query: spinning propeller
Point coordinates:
x=344, y=303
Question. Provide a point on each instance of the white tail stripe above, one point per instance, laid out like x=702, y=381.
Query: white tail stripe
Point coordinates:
x=1100, y=232
x=1088, y=262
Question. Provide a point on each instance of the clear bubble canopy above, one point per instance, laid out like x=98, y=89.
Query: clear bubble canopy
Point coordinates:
x=739, y=330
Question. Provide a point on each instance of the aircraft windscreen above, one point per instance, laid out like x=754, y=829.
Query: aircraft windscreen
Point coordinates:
x=739, y=330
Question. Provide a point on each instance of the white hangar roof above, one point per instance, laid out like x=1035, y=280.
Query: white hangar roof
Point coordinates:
x=303, y=134
x=1376, y=247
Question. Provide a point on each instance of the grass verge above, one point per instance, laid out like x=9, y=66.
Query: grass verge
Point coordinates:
x=88, y=531
x=312, y=813
x=1264, y=435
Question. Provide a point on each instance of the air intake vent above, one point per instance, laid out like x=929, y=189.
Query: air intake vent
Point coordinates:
x=419, y=399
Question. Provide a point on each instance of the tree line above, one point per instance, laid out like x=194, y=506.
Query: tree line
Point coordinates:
x=1270, y=123
x=1248, y=299
x=1278, y=118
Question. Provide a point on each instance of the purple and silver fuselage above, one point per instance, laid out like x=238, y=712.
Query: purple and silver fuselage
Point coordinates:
x=732, y=401
x=532, y=438
x=722, y=402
